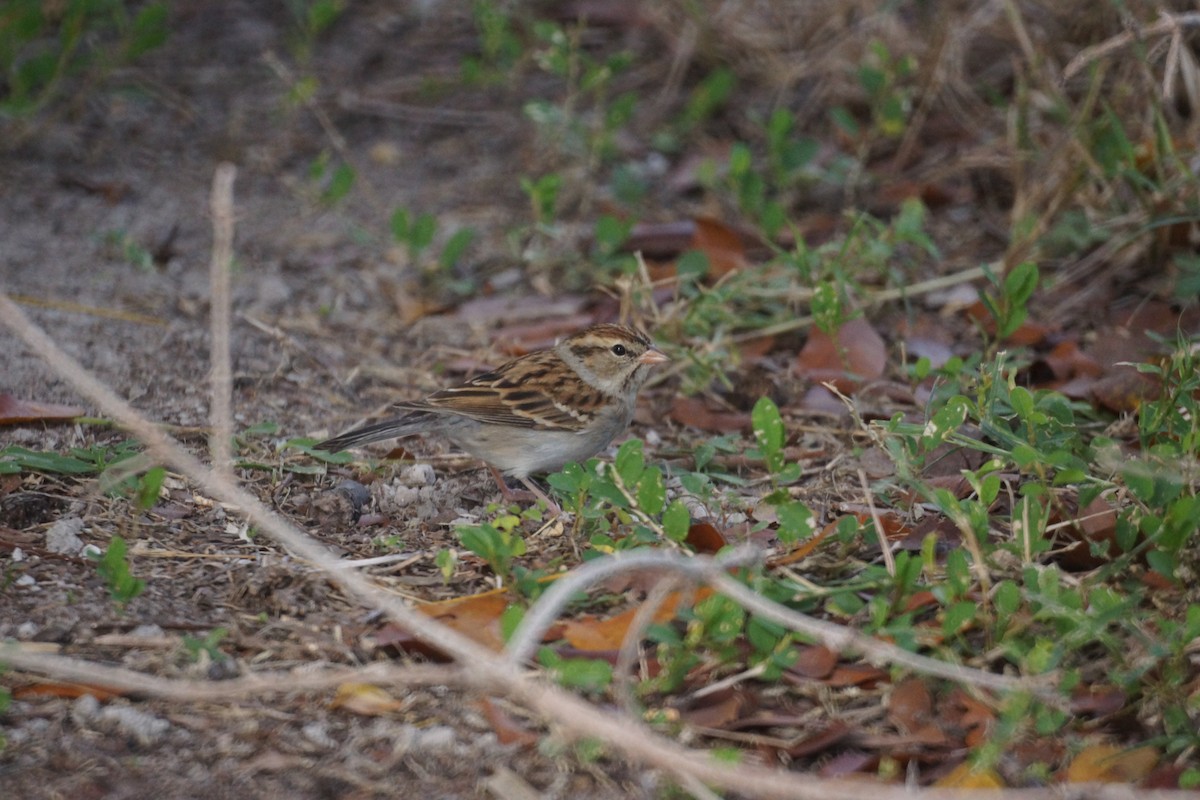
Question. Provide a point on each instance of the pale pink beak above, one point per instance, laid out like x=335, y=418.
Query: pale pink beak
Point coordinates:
x=653, y=356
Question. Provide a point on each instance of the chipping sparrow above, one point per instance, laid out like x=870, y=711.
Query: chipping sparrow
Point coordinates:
x=534, y=413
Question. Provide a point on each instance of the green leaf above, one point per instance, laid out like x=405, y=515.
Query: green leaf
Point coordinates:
x=46, y=462
x=946, y=420
x=151, y=483
x=1020, y=283
x=262, y=429
x=796, y=522
x=651, y=492
x=1021, y=401
x=446, y=560
x=1024, y=456
x=569, y=480
x=421, y=233
x=958, y=615
x=768, y=432
x=630, y=462
x=400, y=225
x=676, y=520
x=113, y=568
x=455, y=247
x=339, y=183
x=510, y=619
x=1007, y=598
x=149, y=30
x=577, y=673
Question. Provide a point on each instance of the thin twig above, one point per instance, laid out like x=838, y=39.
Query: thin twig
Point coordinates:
x=220, y=440
x=712, y=571
x=259, y=684
x=1167, y=23
x=632, y=640
x=889, y=560
x=554, y=600
x=873, y=299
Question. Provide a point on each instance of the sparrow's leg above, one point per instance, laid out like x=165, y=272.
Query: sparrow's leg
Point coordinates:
x=534, y=492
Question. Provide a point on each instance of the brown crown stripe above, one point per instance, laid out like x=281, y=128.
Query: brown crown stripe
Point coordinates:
x=585, y=350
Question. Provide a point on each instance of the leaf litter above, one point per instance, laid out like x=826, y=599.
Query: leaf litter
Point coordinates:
x=835, y=716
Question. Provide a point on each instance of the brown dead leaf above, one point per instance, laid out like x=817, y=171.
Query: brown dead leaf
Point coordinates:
x=703, y=537
x=1105, y=763
x=910, y=705
x=814, y=661
x=1066, y=361
x=805, y=549
x=1123, y=389
x=922, y=599
x=476, y=616
x=853, y=763
x=507, y=729
x=854, y=354
x=1098, y=700
x=696, y=413
x=14, y=411
x=962, y=711
x=1097, y=523
x=661, y=240
x=835, y=731
x=724, y=247
x=365, y=699
x=1028, y=334
x=592, y=633
x=933, y=195
x=67, y=690
x=863, y=675
x=718, y=710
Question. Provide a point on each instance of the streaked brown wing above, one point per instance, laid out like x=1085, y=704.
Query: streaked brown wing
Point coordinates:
x=505, y=397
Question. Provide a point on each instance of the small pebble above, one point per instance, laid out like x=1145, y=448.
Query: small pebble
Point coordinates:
x=418, y=475
x=315, y=732
x=63, y=536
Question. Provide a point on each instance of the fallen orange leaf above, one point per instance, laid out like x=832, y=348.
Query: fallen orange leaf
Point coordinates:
x=364, y=699
x=593, y=634
x=1105, y=763
x=67, y=690
x=14, y=411
x=476, y=617
x=803, y=551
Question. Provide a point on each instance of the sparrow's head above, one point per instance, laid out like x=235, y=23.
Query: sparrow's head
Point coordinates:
x=615, y=359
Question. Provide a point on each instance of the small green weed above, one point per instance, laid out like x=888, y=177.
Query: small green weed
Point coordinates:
x=44, y=45
x=208, y=645
x=113, y=567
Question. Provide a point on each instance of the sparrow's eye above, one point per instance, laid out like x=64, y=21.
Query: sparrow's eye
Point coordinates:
x=619, y=350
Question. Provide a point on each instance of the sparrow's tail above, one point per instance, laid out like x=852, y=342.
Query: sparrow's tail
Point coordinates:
x=391, y=428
